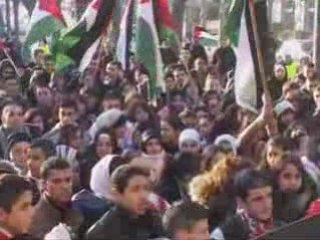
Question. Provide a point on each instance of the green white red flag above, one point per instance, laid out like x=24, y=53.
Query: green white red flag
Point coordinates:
x=148, y=46
x=45, y=20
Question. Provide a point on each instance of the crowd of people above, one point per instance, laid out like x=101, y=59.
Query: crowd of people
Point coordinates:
x=90, y=156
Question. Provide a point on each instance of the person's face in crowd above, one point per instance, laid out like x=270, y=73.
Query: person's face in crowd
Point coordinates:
x=38, y=122
x=274, y=156
x=36, y=157
x=141, y=115
x=168, y=133
x=48, y=65
x=287, y=117
x=225, y=43
x=153, y=147
x=185, y=56
x=311, y=85
x=316, y=98
x=199, y=231
x=112, y=72
x=12, y=116
x=190, y=146
x=38, y=58
x=67, y=116
x=58, y=186
x=170, y=83
x=104, y=145
x=214, y=106
x=280, y=73
x=81, y=109
x=258, y=203
x=44, y=96
x=200, y=65
x=179, y=102
x=88, y=79
x=190, y=121
x=309, y=72
x=20, y=216
x=205, y=127
x=76, y=141
x=180, y=77
x=135, y=195
x=19, y=154
x=214, y=83
x=290, y=179
x=110, y=103
x=121, y=131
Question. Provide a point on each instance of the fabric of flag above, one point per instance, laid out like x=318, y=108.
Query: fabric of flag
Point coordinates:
x=125, y=36
x=148, y=47
x=78, y=45
x=248, y=86
x=177, y=8
x=166, y=24
x=45, y=20
x=203, y=37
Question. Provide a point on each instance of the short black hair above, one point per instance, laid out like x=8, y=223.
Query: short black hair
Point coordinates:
x=45, y=145
x=11, y=188
x=112, y=94
x=183, y=215
x=115, y=63
x=68, y=103
x=53, y=163
x=249, y=179
x=122, y=175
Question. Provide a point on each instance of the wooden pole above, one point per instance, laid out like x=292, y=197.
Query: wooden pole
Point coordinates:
x=16, y=17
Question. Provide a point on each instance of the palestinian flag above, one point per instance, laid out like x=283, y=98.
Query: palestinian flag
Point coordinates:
x=166, y=25
x=148, y=47
x=78, y=45
x=248, y=85
x=125, y=36
x=178, y=11
x=203, y=37
x=45, y=20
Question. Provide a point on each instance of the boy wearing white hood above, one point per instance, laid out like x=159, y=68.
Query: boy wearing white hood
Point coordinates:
x=190, y=141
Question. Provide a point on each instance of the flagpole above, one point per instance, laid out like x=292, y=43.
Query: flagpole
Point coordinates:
x=11, y=61
x=258, y=48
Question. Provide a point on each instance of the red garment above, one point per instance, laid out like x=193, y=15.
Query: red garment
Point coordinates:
x=314, y=208
x=4, y=236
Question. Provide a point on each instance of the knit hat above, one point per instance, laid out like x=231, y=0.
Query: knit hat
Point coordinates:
x=16, y=138
x=227, y=141
x=148, y=135
x=282, y=107
x=189, y=134
x=108, y=119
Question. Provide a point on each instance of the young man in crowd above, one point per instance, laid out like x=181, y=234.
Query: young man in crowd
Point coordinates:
x=54, y=206
x=12, y=121
x=40, y=151
x=15, y=206
x=186, y=221
x=113, y=78
x=67, y=113
x=112, y=99
x=254, y=198
x=132, y=218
